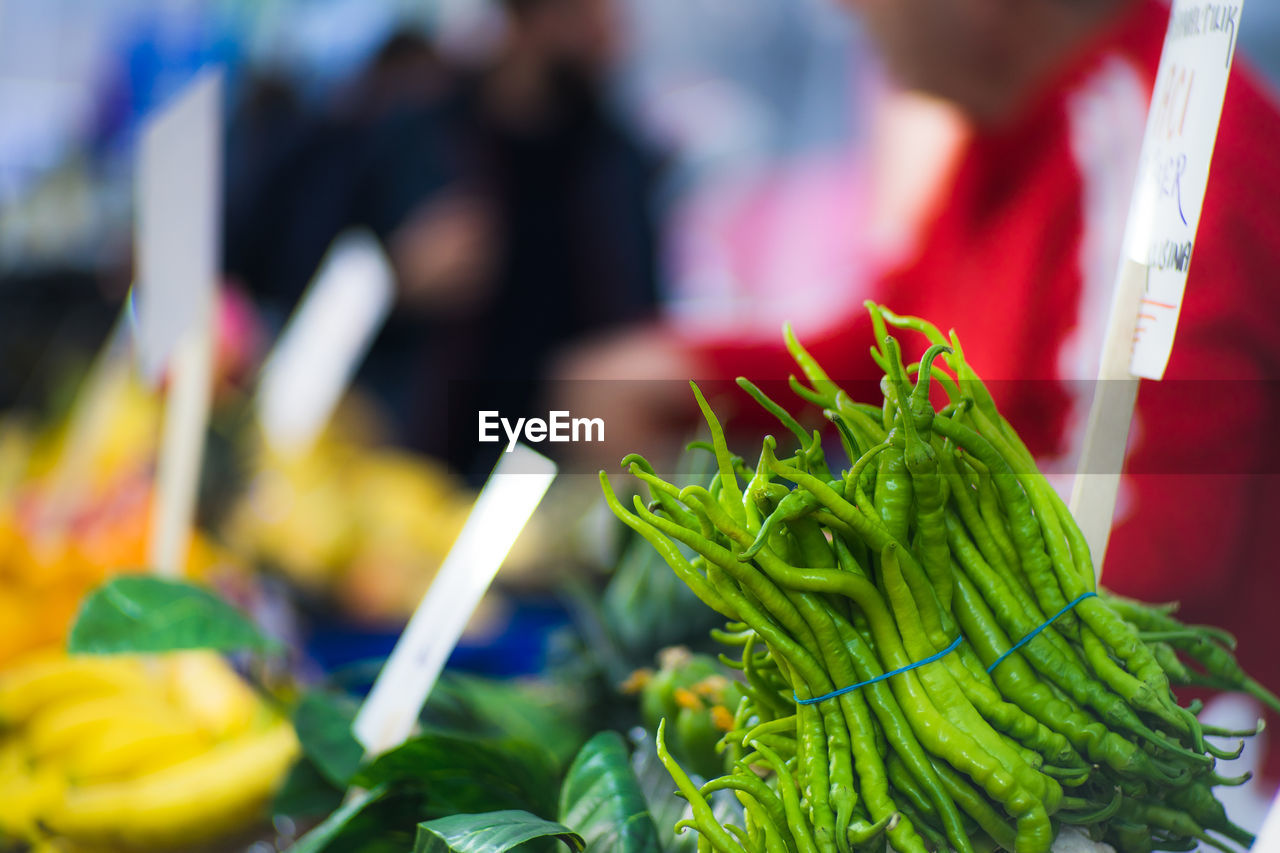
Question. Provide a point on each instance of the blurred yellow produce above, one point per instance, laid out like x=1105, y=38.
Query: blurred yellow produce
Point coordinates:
x=124, y=753
x=367, y=525
x=75, y=507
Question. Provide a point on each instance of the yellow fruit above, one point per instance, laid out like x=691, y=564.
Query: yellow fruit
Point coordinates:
x=72, y=724
x=27, y=792
x=204, y=797
x=132, y=746
x=204, y=686
x=45, y=679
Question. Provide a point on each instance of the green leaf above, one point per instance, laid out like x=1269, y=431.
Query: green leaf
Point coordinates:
x=492, y=832
x=323, y=722
x=602, y=800
x=324, y=834
x=467, y=774
x=306, y=793
x=142, y=614
x=532, y=711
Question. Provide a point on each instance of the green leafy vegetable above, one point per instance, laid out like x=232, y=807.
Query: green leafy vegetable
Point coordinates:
x=141, y=614
x=306, y=793
x=601, y=799
x=494, y=832
x=332, y=826
x=467, y=774
x=323, y=722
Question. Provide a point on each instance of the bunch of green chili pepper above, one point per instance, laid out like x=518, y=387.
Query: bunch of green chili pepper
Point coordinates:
x=922, y=650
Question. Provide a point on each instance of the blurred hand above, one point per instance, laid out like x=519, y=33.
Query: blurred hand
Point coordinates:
x=636, y=380
x=444, y=254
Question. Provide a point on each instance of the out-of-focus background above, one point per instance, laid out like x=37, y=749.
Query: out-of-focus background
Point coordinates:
x=703, y=160
x=536, y=175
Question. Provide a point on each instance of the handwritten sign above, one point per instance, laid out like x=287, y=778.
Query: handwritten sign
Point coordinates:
x=324, y=343
x=507, y=501
x=1173, y=171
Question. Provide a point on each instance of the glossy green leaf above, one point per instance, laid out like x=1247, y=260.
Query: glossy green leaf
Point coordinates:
x=491, y=832
x=306, y=793
x=143, y=614
x=323, y=722
x=468, y=774
x=535, y=712
x=327, y=831
x=601, y=799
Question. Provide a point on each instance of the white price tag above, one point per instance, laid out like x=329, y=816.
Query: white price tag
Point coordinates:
x=504, y=506
x=324, y=343
x=1173, y=171
x=178, y=220
x=177, y=233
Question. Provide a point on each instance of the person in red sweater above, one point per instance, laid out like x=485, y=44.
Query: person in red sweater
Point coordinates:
x=1018, y=252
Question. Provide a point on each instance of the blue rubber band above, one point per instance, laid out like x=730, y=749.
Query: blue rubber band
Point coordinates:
x=1046, y=624
x=843, y=690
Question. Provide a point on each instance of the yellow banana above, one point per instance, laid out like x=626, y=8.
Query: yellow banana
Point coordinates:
x=27, y=792
x=179, y=806
x=46, y=679
x=71, y=724
x=132, y=746
x=205, y=688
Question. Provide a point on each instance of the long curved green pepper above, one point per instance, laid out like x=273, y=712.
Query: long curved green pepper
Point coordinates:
x=893, y=495
x=976, y=806
x=784, y=417
x=933, y=728
x=903, y=834
x=724, y=459
x=965, y=500
x=948, y=696
x=989, y=506
x=916, y=324
x=1159, y=617
x=1198, y=801
x=814, y=771
x=1025, y=529
x=905, y=785
x=660, y=487
x=796, y=822
x=1162, y=817
x=682, y=567
x=1059, y=669
x=898, y=733
x=637, y=464
x=1221, y=664
x=705, y=820
x=922, y=464
x=766, y=695
x=766, y=592
x=1075, y=575
x=749, y=783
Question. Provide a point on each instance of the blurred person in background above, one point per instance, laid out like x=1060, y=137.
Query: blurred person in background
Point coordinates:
x=299, y=176
x=1004, y=169
x=517, y=210
x=514, y=205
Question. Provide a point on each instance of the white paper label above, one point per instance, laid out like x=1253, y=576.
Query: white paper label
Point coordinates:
x=179, y=175
x=501, y=511
x=1173, y=171
x=324, y=343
